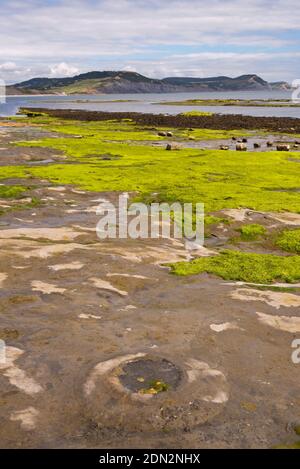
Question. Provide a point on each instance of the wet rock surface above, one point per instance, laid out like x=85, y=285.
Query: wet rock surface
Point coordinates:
x=83, y=319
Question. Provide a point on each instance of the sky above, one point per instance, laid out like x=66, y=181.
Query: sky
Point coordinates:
x=58, y=38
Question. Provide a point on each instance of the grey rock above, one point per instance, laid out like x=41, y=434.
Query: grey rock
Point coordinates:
x=283, y=147
x=241, y=147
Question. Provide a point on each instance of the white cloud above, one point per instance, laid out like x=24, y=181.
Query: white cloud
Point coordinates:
x=63, y=70
x=269, y=66
x=73, y=35
x=10, y=72
x=9, y=67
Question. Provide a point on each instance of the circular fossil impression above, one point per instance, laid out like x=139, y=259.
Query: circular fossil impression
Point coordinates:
x=146, y=376
x=145, y=392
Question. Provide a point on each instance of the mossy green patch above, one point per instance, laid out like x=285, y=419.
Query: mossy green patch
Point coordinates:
x=124, y=130
x=155, y=387
x=213, y=134
x=232, y=102
x=197, y=113
x=246, y=267
x=213, y=220
x=295, y=445
x=251, y=232
x=219, y=180
x=289, y=240
x=35, y=202
x=108, y=130
x=11, y=192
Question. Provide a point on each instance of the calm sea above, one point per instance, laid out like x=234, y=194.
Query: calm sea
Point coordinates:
x=144, y=103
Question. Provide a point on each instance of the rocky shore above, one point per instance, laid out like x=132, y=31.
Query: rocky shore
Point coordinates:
x=214, y=121
x=127, y=343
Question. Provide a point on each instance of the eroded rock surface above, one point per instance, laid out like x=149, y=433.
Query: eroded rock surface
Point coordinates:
x=75, y=309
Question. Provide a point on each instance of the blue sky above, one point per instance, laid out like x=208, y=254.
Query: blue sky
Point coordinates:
x=155, y=38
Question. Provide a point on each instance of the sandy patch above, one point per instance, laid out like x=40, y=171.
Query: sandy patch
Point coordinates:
x=89, y=316
x=224, y=327
x=279, y=285
x=53, y=234
x=283, y=323
x=57, y=188
x=142, y=277
x=16, y=376
x=46, y=288
x=198, y=370
x=153, y=254
x=27, y=249
x=198, y=250
x=27, y=417
x=3, y=276
x=287, y=218
x=24, y=221
x=104, y=285
x=92, y=209
x=238, y=214
x=275, y=299
x=72, y=266
x=76, y=191
x=128, y=308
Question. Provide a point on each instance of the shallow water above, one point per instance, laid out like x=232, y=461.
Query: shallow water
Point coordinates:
x=144, y=103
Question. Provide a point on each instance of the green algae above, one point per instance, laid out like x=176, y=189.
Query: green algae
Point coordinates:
x=241, y=266
x=251, y=232
x=213, y=134
x=232, y=102
x=107, y=131
x=155, y=387
x=110, y=130
x=16, y=193
x=289, y=240
x=126, y=129
x=12, y=192
x=197, y=113
x=35, y=202
x=187, y=175
x=213, y=220
x=217, y=179
x=295, y=445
